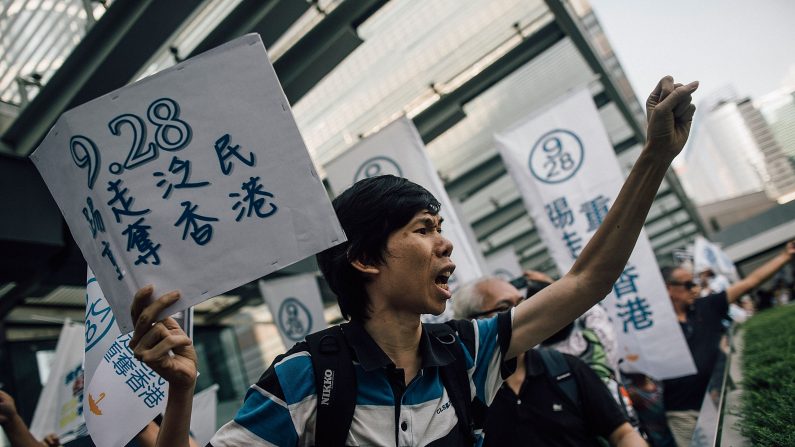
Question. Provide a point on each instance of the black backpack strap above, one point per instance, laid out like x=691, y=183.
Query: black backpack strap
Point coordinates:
x=559, y=372
x=455, y=377
x=335, y=382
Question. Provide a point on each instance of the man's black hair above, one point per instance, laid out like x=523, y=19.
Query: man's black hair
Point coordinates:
x=369, y=211
x=667, y=273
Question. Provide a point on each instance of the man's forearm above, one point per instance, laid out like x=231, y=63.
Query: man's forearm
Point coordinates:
x=19, y=435
x=599, y=264
x=175, y=428
x=626, y=436
x=604, y=257
x=757, y=277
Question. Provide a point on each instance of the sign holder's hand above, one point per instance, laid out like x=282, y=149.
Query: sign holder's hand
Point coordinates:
x=8, y=408
x=162, y=345
x=13, y=425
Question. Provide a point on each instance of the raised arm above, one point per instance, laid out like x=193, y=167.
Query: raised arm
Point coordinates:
x=670, y=113
x=762, y=274
x=15, y=428
x=165, y=348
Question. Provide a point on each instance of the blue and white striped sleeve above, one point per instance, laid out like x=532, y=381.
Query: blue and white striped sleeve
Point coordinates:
x=279, y=410
x=488, y=370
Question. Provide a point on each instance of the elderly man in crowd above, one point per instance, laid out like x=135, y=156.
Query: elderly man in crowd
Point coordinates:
x=533, y=406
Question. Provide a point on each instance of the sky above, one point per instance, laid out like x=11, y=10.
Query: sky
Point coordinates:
x=748, y=44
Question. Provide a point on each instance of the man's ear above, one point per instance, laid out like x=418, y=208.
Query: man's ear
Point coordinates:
x=369, y=269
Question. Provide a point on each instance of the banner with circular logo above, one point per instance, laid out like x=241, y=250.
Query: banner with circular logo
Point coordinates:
x=295, y=304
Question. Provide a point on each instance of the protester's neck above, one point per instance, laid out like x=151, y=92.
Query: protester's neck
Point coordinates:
x=681, y=311
x=398, y=335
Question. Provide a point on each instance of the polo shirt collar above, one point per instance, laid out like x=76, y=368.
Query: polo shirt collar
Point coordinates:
x=534, y=366
x=433, y=352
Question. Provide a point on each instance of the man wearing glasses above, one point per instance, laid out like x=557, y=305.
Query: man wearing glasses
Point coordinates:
x=530, y=408
x=700, y=319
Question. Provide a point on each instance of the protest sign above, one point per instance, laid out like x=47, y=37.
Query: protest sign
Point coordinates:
x=397, y=149
x=203, y=420
x=707, y=255
x=504, y=264
x=567, y=172
x=122, y=394
x=60, y=406
x=295, y=304
x=194, y=179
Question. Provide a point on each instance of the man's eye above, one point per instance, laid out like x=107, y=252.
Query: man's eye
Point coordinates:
x=422, y=231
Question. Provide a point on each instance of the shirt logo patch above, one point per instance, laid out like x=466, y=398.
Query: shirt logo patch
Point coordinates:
x=443, y=407
x=557, y=407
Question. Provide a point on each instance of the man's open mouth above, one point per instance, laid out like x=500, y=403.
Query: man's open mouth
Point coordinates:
x=441, y=280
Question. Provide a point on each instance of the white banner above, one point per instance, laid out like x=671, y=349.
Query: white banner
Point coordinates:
x=567, y=172
x=504, y=264
x=60, y=406
x=203, y=416
x=194, y=179
x=707, y=255
x=296, y=306
x=398, y=149
x=122, y=394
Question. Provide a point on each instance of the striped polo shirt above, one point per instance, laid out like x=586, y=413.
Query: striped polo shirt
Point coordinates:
x=280, y=408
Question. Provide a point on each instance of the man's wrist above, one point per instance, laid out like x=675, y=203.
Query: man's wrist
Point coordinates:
x=182, y=388
x=14, y=424
x=659, y=152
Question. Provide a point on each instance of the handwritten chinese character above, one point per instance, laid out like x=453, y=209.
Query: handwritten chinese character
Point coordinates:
x=626, y=282
x=595, y=211
x=637, y=312
x=253, y=204
x=573, y=243
x=225, y=151
x=94, y=218
x=126, y=203
x=106, y=253
x=138, y=238
x=201, y=234
x=177, y=166
x=559, y=213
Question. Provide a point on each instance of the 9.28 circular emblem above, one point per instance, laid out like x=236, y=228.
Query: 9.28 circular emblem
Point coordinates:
x=377, y=166
x=294, y=319
x=556, y=156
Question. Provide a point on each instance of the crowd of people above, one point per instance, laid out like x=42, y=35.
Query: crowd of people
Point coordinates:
x=510, y=369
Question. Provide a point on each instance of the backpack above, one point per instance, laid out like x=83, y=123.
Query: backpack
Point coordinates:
x=595, y=356
x=558, y=372
x=335, y=378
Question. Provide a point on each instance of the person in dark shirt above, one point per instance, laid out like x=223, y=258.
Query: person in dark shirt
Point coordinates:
x=700, y=320
x=532, y=410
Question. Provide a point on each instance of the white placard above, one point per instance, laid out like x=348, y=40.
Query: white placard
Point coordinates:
x=194, y=179
x=296, y=306
x=122, y=394
x=504, y=264
x=567, y=172
x=707, y=255
x=398, y=149
x=60, y=406
x=203, y=421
